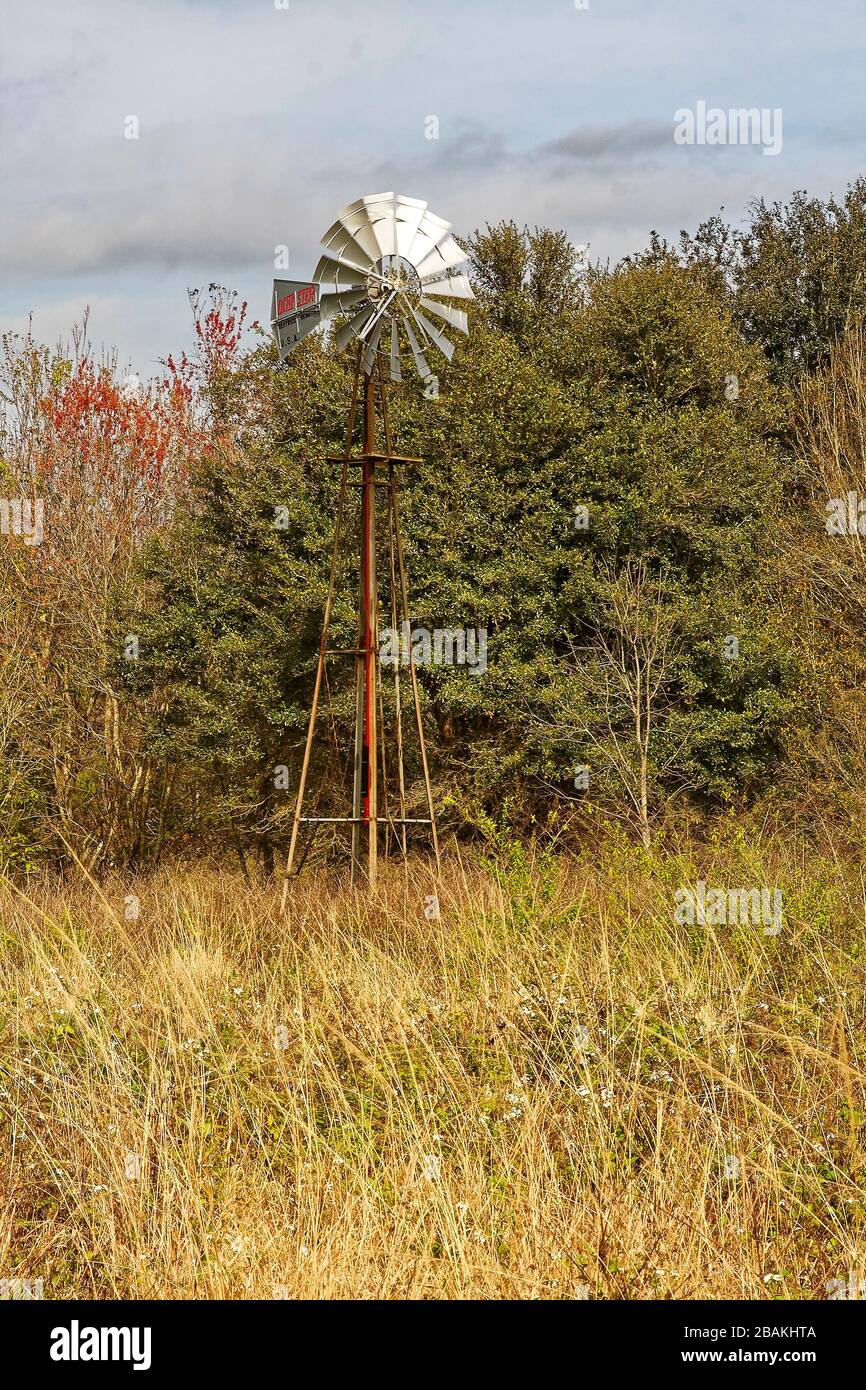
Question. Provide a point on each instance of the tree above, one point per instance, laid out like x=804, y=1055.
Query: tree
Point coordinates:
x=620, y=696
x=795, y=273
x=524, y=280
x=104, y=460
x=824, y=548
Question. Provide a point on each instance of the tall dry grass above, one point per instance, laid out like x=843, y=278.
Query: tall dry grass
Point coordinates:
x=552, y=1092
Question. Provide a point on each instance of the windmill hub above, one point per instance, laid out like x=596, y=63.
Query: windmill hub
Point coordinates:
x=395, y=278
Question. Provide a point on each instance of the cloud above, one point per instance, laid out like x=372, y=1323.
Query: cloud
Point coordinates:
x=602, y=144
x=220, y=209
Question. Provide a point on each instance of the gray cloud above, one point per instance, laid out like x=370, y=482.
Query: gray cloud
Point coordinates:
x=174, y=201
x=600, y=144
x=220, y=208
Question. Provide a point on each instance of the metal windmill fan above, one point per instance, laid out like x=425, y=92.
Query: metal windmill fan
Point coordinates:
x=390, y=262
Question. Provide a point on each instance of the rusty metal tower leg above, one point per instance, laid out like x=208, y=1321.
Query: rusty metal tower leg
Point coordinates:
x=395, y=630
x=323, y=644
x=314, y=709
x=364, y=800
x=413, y=675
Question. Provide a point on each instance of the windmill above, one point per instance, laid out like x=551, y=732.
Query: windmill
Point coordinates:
x=390, y=270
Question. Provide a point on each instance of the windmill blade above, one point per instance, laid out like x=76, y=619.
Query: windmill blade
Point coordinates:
x=372, y=348
x=358, y=203
x=382, y=212
x=342, y=301
x=420, y=360
x=358, y=222
x=455, y=317
x=443, y=256
x=331, y=270
x=409, y=212
x=445, y=346
x=448, y=286
x=391, y=219
x=342, y=240
x=396, y=372
x=352, y=329
x=431, y=231
x=370, y=200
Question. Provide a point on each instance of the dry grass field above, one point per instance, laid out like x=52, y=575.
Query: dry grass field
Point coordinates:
x=555, y=1091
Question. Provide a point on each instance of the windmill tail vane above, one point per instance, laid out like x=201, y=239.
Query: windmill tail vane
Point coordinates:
x=390, y=269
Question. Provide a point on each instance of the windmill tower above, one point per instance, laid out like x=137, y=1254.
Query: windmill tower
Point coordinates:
x=391, y=264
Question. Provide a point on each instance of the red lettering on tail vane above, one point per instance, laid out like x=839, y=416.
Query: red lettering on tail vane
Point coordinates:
x=297, y=299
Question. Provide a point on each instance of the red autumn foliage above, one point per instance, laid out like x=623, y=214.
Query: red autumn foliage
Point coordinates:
x=112, y=437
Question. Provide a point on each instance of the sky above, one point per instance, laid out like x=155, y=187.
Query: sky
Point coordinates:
x=257, y=120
